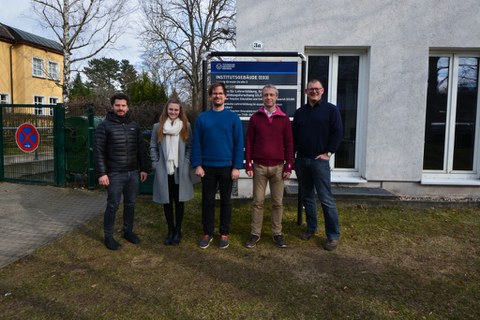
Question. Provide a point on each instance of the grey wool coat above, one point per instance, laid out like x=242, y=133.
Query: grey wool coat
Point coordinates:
x=158, y=153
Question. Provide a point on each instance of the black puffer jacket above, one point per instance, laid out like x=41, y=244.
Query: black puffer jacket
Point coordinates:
x=119, y=146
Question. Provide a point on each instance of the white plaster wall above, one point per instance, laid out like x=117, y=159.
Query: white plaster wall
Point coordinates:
x=398, y=36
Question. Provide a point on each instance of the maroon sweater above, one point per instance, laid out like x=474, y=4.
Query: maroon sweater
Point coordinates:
x=269, y=140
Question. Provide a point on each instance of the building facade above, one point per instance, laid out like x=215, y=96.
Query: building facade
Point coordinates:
x=404, y=75
x=30, y=69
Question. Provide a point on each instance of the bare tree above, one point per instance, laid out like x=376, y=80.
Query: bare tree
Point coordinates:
x=154, y=67
x=178, y=32
x=83, y=27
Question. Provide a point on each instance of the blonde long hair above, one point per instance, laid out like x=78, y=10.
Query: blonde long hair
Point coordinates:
x=164, y=117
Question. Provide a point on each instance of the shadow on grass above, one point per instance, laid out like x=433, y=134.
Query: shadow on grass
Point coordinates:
x=76, y=277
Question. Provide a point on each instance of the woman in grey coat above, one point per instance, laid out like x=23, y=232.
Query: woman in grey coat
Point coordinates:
x=170, y=147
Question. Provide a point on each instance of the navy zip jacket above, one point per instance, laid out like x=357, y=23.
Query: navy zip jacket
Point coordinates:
x=119, y=146
x=317, y=130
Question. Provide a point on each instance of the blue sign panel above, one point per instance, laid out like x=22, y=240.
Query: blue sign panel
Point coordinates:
x=254, y=73
x=245, y=80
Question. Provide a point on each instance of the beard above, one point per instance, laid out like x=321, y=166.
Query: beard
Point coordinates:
x=217, y=104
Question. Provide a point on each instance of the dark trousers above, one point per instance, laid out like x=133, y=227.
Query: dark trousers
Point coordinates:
x=173, y=221
x=121, y=183
x=314, y=175
x=221, y=178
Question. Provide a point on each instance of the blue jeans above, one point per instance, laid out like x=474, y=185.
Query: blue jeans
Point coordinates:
x=125, y=183
x=221, y=177
x=315, y=175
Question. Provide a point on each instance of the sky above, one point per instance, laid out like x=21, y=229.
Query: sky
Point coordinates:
x=19, y=14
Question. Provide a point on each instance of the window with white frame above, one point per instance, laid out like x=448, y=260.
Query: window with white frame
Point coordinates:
x=53, y=70
x=39, y=100
x=452, y=117
x=4, y=98
x=38, y=67
x=341, y=75
x=53, y=101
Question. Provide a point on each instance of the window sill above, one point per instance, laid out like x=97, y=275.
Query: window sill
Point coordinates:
x=450, y=182
x=348, y=180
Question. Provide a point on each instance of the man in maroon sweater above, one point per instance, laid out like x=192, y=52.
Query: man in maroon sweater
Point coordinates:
x=269, y=158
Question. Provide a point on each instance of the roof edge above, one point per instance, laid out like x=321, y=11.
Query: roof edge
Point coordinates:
x=23, y=37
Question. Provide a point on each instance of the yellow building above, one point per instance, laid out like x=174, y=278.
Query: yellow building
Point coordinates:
x=31, y=69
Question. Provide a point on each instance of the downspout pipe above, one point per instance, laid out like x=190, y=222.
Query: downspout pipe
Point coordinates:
x=11, y=74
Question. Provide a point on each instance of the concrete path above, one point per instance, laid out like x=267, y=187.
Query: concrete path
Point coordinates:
x=33, y=215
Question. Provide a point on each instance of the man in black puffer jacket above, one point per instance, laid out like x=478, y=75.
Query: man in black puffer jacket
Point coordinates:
x=120, y=154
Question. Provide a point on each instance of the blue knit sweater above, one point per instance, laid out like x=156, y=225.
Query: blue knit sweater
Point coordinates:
x=218, y=140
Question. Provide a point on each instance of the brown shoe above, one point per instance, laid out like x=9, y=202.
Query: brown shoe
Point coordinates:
x=330, y=245
x=307, y=235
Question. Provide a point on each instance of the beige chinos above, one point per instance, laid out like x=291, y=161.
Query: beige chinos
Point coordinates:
x=273, y=175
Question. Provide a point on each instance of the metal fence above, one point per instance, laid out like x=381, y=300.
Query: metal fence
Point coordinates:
x=32, y=143
x=41, y=144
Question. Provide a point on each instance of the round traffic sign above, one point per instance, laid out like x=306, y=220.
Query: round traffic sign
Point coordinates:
x=27, y=137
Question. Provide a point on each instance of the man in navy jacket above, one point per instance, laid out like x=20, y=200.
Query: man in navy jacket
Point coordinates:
x=317, y=132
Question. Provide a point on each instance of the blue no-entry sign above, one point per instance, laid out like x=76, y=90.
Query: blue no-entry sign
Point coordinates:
x=27, y=137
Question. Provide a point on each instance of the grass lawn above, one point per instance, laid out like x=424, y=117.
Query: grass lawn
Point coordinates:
x=391, y=263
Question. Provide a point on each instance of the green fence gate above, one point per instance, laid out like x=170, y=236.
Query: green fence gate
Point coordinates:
x=41, y=144
x=32, y=144
x=79, y=136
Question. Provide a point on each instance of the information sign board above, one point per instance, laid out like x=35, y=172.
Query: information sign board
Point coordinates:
x=245, y=80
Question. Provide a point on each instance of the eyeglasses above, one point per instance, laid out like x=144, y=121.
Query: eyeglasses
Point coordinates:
x=314, y=89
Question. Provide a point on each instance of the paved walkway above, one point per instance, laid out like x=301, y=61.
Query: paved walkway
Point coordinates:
x=33, y=215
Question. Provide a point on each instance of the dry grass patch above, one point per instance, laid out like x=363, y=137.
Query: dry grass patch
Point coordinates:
x=392, y=263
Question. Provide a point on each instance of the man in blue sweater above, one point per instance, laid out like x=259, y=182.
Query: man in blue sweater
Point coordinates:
x=217, y=156
x=317, y=133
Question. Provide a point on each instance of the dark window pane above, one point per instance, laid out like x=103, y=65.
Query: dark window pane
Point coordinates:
x=435, y=125
x=347, y=99
x=318, y=69
x=466, y=114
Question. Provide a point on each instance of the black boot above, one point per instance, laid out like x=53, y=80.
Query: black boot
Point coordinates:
x=131, y=237
x=177, y=236
x=111, y=244
x=169, y=239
